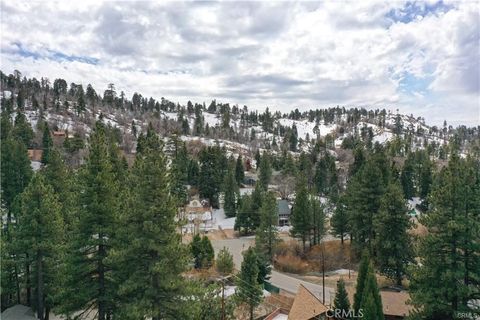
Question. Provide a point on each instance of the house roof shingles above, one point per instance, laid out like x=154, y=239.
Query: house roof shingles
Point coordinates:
x=306, y=306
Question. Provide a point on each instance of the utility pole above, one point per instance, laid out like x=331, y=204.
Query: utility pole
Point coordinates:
x=323, y=272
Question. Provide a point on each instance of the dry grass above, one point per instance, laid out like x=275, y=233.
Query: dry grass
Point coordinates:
x=292, y=264
x=290, y=257
x=337, y=256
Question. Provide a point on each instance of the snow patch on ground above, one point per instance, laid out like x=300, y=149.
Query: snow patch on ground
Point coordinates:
x=305, y=126
x=221, y=221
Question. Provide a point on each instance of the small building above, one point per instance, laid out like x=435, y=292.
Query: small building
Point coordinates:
x=284, y=211
x=59, y=133
x=198, y=212
x=35, y=154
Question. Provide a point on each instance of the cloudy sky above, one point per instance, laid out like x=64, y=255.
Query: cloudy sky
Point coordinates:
x=420, y=57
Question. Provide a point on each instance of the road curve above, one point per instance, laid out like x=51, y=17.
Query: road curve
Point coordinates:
x=283, y=281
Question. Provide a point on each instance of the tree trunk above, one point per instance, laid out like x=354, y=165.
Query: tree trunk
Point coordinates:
x=40, y=300
x=29, y=285
x=341, y=238
x=47, y=312
x=251, y=312
x=101, y=283
x=17, y=282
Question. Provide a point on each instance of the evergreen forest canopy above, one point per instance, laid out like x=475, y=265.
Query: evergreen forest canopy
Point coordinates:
x=91, y=234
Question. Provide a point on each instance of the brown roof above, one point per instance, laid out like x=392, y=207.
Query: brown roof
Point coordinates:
x=59, y=133
x=277, y=312
x=35, y=154
x=306, y=306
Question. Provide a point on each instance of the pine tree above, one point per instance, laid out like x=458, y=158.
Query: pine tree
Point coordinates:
x=88, y=275
x=248, y=289
x=15, y=171
x=326, y=175
x=149, y=253
x=202, y=251
x=361, y=279
x=196, y=250
x=39, y=237
x=392, y=243
x=179, y=175
x=47, y=143
x=407, y=177
x=359, y=160
x=230, y=188
x=293, y=139
x=301, y=213
x=371, y=303
x=213, y=166
x=224, y=262
x=341, y=301
x=265, y=171
x=318, y=220
x=62, y=181
x=446, y=278
x=363, y=200
x=242, y=221
x=208, y=254
x=239, y=170
x=267, y=233
x=339, y=221
x=22, y=129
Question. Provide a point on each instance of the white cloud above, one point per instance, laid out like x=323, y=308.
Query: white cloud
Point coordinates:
x=275, y=54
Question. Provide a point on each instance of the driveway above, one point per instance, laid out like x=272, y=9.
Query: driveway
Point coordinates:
x=282, y=280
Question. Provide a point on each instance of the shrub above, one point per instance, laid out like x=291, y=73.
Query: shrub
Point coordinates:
x=290, y=263
x=224, y=262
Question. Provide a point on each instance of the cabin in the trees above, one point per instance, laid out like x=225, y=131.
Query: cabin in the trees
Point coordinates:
x=199, y=213
x=284, y=211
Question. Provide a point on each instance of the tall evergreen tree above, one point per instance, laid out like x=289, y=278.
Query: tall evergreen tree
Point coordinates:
x=407, y=177
x=445, y=281
x=150, y=254
x=15, y=171
x=248, y=289
x=341, y=301
x=39, y=238
x=47, y=143
x=22, y=129
x=339, y=220
x=392, y=243
x=361, y=278
x=89, y=281
x=224, y=262
x=326, y=175
x=301, y=213
x=242, y=222
x=230, y=188
x=371, y=304
x=363, y=200
x=318, y=220
x=213, y=165
x=267, y=233
x=265, y=171
x=239, y=170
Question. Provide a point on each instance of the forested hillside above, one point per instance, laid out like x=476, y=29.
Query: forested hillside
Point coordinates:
x=92, y=225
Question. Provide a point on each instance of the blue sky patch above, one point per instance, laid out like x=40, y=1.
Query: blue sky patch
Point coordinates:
x=412, y=10
x=51, y=55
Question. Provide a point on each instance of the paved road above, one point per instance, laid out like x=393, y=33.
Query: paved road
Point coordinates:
x=279, y=279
